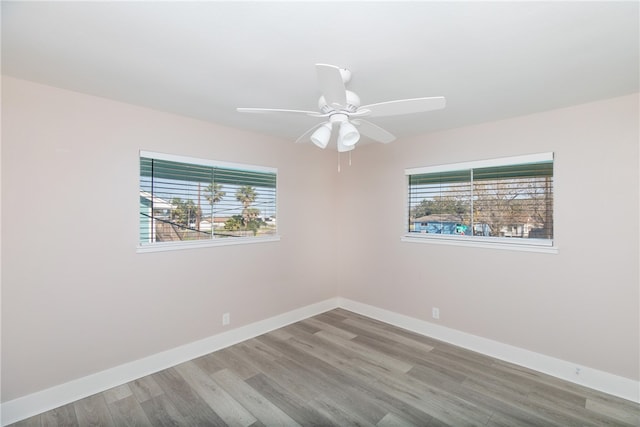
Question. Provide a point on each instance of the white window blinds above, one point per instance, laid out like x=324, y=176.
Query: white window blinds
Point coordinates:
x=185, y=199
x=509, y=198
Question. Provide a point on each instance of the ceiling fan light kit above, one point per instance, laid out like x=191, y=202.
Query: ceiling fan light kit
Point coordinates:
x=322, y=135
x=344, y=148
x=348, y=134
x=342, y=107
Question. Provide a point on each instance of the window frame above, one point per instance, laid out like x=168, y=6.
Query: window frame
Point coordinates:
x=529, y=245
x=204, y=243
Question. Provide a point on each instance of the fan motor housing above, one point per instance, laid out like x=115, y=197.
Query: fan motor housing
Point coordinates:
x=353, y=103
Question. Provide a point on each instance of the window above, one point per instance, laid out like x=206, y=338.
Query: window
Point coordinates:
x=187, y=202
x=504, y=203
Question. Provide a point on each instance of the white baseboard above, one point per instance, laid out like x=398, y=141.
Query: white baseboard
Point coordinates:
x=588, y=377
x=54, y=397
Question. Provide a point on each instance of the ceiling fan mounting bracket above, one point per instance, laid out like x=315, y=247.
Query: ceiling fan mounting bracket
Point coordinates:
x=346, y=75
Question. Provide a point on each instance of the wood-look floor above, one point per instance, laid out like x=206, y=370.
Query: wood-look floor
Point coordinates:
x=343, y=369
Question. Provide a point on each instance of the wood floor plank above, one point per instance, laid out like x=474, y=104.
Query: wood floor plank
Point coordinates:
x=280, y=334
x=290, y=376
x=162, y=412
x=343, y=369
x=335, y=314
x=296, y=408
x=257, y=404
x=480, y=371
x=117, y=393
x=436, y=403
x=64, y=416
x=377, y=377
x=356, y=378
x=394, y=420
x=511, y=420
x=186, y=400
x=304, y=326
x=576, y=409
x=255, y=356
x=266, y=355
x=93, y=411
x=510, y=410
x=34, y=421
x=342, y=390
x=376, y=357
x=338, y=416
x=329, y=328
x=615, y=409
x=520, y=374
x=442, y=405
x=540, y=383
x=256, y=349
x=376, y=331
x=435, y=377
x=127, y=412
x=553, y=415
x=210, y=363
x=145, y=388
x=225, y=359
x=232, y=412
x=343, y=319
x=418, y=359
x=409, y=393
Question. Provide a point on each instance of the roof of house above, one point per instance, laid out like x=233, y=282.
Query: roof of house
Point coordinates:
x=439, y=218
x=158, y=203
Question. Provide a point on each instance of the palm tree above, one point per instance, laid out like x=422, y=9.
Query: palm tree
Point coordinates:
x=214, y=195
x=246, y=195
x=184, y=214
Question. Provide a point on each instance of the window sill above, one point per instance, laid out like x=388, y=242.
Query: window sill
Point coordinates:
x=499, y=243
x=175, y=246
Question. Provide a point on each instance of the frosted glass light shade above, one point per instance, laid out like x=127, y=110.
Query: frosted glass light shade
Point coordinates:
x=343, y=148
x=348, y=135
x=322, y=135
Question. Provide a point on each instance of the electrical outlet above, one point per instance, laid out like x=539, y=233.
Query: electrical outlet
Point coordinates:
x=226, y=319
x=435, y=312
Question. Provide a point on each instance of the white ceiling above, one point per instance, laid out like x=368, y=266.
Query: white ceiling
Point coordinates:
x=491, y=60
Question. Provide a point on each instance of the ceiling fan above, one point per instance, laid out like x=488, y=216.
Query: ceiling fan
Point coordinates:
x=344, y=113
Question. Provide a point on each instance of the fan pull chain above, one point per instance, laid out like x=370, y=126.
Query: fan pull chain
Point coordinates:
x=339, y=160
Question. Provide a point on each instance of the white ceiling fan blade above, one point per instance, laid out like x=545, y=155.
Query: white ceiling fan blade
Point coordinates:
x=405, y=106
x=331, y=84
x=373, y=131
x=277, y=110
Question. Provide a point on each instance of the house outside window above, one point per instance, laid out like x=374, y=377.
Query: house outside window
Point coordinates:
x=188, y=202
x=505, y=203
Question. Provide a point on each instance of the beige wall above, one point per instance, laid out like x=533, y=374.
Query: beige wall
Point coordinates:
x=580, y=305
x=77, y=298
